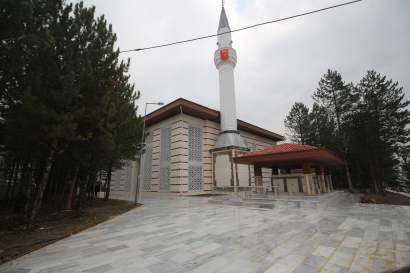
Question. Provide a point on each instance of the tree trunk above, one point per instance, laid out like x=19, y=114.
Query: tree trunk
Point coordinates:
x=49, y=184
x=349, y=180
x=14, y=183
x=43, y=183
x=107, y=193
x=373, y=178
x=30, y=181
x=87, y=178
x=23, y=178
x=380, y=182
x=342, y=142
x=71, y=189
x=359, y=173
x=21, y=198
x=63, y=191
x=93, y=189
x=60, y=184
x=10, y=180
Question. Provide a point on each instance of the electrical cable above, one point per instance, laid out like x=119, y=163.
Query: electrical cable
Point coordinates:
x=257, y=25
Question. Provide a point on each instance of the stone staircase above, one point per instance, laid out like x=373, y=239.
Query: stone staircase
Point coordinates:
x=337, y=200
x=330, y=200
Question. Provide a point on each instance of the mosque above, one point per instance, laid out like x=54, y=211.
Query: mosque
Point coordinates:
x=190, y=148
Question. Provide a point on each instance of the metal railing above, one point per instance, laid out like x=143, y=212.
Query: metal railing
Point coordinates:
x=249, y=192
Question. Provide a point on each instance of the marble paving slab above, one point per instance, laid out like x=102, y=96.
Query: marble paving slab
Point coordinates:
x=188, y=234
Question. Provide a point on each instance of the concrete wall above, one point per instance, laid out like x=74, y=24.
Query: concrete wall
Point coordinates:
x=122, y=192
x=225, y=171
x=292, y=182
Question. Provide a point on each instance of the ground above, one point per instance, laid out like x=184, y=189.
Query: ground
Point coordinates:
x=52, y=225
x=188, y=234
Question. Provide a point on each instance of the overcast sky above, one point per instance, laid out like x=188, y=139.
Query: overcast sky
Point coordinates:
x=278, y=64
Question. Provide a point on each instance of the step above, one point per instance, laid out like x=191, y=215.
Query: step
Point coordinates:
x=269, y=203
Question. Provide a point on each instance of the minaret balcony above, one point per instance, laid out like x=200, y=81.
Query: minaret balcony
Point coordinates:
x=231, y=61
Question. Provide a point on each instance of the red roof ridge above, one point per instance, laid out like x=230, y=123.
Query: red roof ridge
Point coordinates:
x=282, y=148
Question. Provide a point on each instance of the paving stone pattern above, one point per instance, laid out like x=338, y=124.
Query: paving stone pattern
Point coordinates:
x=168, y=234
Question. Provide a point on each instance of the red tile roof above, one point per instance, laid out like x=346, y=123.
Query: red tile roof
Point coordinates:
x=282, y=148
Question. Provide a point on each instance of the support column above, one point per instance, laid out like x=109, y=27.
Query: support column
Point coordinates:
x=325, y=183
x=308, y=178
x=300, y=184
x=275, y=171
x=285, y=182
x=285, y=185
x=258, y=177
x=312, y=185
x=329, y=178
x=331, y=183
x=320, y=179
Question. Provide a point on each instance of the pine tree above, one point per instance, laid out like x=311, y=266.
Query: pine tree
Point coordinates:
x=298, y=123
x=336, y=96
x=383, y=106
x=66, y=94
x=323, y=128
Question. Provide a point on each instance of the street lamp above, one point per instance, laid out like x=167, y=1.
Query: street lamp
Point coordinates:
x=142, y=144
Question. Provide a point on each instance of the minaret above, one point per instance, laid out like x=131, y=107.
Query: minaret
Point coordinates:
x=225, y=62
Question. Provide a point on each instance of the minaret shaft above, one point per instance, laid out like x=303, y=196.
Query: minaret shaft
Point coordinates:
x=227, y=98
x=225, y=61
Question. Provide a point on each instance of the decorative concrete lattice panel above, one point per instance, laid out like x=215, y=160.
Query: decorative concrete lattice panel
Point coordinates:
x=149, y=139
x=165, y=152
x=164, y=183
x=117, y=180
x=147, y=167
x=164, y=179
x=195, y=143
x=128, y=176
x=195, y=178
x=195, y=158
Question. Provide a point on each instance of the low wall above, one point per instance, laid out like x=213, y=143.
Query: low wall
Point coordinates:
x=355, y=190
x=295, y=182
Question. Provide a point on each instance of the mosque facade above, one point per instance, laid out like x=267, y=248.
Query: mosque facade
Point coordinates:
x=190, y=148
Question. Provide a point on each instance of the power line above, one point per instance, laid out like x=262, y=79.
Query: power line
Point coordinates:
x=257, y=25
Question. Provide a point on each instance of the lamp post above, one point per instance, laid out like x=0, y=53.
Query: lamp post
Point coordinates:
x=142, y=144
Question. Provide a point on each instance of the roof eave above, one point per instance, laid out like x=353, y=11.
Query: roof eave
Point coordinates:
x=199, y=111
x=314, y=156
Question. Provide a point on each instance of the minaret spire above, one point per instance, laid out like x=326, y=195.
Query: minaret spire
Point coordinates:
x=223, y=21
x=225, y=62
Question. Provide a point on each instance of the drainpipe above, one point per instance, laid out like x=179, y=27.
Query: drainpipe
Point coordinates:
x=181, y=150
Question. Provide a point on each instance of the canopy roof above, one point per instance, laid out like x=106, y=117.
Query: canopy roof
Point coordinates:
x=290, y=156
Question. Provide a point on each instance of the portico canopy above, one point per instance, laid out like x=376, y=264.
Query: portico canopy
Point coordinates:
x=291, y=156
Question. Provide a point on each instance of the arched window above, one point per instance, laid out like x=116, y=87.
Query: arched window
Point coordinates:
x=254, y=147
x=246, y=143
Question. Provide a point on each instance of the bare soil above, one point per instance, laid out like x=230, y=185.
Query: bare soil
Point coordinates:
x=53, y=225
x=389, y=199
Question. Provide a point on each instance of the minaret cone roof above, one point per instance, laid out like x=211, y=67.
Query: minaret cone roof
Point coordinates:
x=223, y=22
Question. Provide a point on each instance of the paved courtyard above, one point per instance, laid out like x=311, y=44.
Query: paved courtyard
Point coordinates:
x=168, y=234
